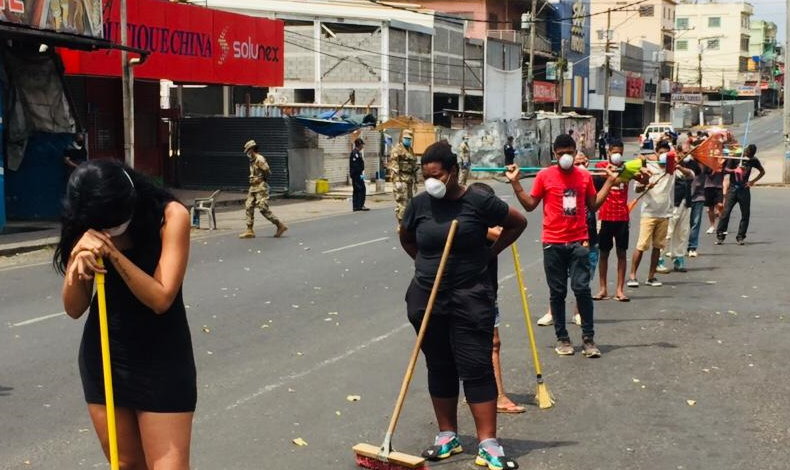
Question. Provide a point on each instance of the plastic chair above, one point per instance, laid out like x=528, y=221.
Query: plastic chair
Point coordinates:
x=207, y=205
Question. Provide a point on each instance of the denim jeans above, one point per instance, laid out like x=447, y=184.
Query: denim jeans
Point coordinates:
x=742, y=197
x=561, y=262
x=697, y=209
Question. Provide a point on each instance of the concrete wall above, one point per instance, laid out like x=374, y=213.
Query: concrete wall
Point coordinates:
x=304, y=164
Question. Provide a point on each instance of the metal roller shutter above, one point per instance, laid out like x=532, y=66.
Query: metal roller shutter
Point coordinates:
x=211, y=151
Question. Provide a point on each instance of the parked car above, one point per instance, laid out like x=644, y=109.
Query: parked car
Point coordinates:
x=654, y=131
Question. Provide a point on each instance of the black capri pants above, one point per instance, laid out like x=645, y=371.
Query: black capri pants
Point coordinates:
x=459, y=340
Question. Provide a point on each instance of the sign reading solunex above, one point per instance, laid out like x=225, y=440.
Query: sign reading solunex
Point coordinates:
x=190, y=44
x=578, y=43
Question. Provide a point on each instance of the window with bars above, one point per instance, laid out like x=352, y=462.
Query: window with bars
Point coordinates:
x=647, y=10
x=682, y=23
x=714, y=22
x=744, y=43
x=743, y=64
x=682, y=45
x=667, y=42
x=713, y=44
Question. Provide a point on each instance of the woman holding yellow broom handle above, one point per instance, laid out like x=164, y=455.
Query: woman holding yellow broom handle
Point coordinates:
x=141, y=232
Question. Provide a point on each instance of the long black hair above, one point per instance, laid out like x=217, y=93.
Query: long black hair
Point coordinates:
x=103, y=194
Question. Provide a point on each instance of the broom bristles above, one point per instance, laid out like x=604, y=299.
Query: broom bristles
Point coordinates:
x=375, y=464
x=544, y=397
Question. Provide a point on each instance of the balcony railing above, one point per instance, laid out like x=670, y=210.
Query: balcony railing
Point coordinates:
x=542, y=44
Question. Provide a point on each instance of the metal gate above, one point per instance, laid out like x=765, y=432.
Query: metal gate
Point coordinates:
x=211, y=155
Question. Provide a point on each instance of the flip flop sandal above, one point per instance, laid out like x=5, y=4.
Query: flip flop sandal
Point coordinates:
x=600, y=297
x=515, y=409
x=621, y=299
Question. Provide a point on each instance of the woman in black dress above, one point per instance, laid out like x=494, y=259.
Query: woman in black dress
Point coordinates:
x=142, y=233
x=459, y=340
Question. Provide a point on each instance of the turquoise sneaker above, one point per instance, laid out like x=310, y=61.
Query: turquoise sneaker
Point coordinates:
x=491, y=455
x=444, y=446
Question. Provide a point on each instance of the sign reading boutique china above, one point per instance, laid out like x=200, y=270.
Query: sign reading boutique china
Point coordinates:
x=189, y=44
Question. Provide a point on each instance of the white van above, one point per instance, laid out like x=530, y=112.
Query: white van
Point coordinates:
x=654, y=131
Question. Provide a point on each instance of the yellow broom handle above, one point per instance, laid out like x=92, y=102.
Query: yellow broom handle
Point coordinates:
x=104, y=334
x=527, y=319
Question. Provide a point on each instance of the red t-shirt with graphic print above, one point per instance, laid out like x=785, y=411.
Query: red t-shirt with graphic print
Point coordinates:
x=615, y=206
x=564, y=197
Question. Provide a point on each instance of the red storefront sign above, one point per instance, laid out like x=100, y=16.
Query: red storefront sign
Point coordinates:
x=634, y=87
x=189, y=44
x=544, y=92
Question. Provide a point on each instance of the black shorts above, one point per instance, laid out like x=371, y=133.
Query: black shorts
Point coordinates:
x=613, y=234
x=713, y=196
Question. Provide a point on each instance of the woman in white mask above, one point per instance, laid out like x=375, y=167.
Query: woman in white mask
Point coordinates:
x=142, y=234
x=459, y=341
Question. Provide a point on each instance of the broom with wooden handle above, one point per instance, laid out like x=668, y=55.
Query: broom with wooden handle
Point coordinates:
x=112, y=431
x=383, y=457
x=543, y=396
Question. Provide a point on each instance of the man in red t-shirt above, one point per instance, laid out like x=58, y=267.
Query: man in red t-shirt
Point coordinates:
x=614, y=227
x=567, y=193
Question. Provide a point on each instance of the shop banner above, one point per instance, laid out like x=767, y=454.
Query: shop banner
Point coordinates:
x=189, y=44
x=544, y=92
x=635, y=87
x=81, y=17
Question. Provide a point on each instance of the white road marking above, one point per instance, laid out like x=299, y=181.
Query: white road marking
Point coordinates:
x=11, y=268
x=354, y=245
x=292, y=377
x=38, y=319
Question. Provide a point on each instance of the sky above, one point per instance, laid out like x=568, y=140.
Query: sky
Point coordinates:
x=771, y=10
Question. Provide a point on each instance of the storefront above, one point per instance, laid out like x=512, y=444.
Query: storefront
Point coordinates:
x=37, y=115
x=189, y=45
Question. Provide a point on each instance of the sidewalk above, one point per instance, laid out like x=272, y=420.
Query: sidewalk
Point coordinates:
x=22, y=237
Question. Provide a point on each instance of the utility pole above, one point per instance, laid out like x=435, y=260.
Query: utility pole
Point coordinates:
x=699, y=83
x=561, y=76
x=607, y=72
x=530, y=68
x=126, y=86
x=786, y=161
x=659, y=58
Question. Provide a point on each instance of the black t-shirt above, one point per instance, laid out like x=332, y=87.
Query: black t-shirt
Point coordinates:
x=356, y=163
x=510, y=154
x=430, y=219
x=739, y=177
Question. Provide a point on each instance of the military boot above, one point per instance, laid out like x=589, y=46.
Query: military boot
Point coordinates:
x=281, y=228
x=249, y=233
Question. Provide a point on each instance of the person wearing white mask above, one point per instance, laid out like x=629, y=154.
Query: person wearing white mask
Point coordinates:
x=141, y=232
x=458, y=344
x=567, y=193
x=656, y=210
x=680, y=221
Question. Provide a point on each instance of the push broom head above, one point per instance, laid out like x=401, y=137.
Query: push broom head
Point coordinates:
x=368, y=457
x=544, y=397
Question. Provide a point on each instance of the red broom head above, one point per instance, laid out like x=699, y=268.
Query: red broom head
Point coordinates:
x=375, y=464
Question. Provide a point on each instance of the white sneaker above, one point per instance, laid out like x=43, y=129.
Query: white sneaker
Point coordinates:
x=546, y=320
x=577, y=319
x=693, y=253
x=711, y=230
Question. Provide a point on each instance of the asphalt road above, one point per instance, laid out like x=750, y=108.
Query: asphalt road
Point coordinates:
x=285, y=330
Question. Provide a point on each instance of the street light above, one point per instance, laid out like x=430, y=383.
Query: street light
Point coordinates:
x=700, y=48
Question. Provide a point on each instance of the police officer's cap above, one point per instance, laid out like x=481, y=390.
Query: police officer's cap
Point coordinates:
x=359, y=142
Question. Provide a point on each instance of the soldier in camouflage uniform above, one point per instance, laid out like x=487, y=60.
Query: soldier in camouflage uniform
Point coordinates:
x=464, y=161
x=258, y=194
x=403, y=171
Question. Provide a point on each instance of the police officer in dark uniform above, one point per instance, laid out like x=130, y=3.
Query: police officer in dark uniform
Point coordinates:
x=356, y=165
x=510, y=152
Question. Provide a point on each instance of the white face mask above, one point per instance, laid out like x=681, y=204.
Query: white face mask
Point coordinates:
x=119, y=230
x=616, y=158
x=662, y=158
x=566, y=161
x=688, y=159
x=435, y=188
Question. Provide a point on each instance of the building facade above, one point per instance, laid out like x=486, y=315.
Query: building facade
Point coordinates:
x=712, y=46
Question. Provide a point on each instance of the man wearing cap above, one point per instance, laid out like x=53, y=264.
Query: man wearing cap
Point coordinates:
x=356, y=169
x=258, y=194
x=403, y=171
x=464, y=161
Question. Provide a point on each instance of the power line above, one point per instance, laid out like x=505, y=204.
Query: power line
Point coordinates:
x=474, y=20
